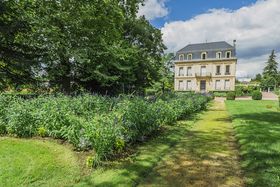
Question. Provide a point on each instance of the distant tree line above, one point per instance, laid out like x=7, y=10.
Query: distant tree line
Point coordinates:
x=68, y=45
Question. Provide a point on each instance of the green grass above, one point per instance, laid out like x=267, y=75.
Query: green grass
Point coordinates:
x=29, y=162
x=205, y=156
x=257, y=128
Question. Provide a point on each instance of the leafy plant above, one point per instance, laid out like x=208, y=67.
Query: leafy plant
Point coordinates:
x=231, y=96
x=101, y=123
x=257, y=95
x=42, y=131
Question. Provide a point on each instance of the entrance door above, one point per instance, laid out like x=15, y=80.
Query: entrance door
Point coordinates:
x=203, y=85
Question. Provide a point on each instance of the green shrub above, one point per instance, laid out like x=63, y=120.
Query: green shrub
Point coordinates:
x=231, y=96
x=20, y=120
x=239, y=92
x=256, y=95
x=220, y=94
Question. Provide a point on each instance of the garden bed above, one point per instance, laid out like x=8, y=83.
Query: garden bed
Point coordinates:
x=105, y=124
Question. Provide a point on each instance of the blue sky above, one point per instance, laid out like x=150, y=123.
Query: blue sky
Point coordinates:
x=253, y=23
x=187, y=9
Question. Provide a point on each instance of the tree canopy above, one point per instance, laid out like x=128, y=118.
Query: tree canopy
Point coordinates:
x=97, y=45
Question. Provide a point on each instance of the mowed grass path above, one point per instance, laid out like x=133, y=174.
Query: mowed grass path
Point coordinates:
x=29, y=162
x=257, y=127
x=206, y=156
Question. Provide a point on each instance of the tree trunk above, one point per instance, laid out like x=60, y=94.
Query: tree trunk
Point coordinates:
x=65, y=79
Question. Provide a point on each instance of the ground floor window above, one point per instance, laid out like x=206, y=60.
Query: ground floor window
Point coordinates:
x=218, y=84
x=227, y=84
x=189, y=86
x=181, y=86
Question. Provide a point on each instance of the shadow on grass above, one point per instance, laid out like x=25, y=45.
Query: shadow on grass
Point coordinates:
x=259, y=140
x=200, y=160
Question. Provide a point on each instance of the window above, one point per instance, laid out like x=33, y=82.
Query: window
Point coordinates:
x=203, y=55
x=181, y=71
x=189, y=56
x=227, y=84
x=181, y=86
x=218, y=85
x=218, y=70
x=189, y=86
x=189, y=71
x=203, y=70
x=181, y=57
x=228, y=54
x=227, y=70
x=219, y=55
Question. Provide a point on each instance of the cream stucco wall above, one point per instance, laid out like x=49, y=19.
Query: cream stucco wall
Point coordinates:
x=210, y=77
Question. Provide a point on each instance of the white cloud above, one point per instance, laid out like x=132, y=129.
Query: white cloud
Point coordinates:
x=256, y=29
x=153, y=9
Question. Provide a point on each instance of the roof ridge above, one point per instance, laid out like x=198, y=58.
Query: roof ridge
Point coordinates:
x=204, y=46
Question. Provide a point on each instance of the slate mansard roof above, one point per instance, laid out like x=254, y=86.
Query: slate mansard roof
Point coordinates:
x=211, y=48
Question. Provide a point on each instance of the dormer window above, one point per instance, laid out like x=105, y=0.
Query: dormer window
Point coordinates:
x=203, y=55
x=181, y=57
x=219, y=55
x=228, y=54
x=189, y=56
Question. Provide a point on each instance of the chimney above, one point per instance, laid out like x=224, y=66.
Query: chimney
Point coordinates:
x=234, y=43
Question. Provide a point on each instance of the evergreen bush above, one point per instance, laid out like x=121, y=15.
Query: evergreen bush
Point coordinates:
x=231, y=95
x=256, y=95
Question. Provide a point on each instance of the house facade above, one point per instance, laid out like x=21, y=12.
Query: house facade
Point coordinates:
x=206, y=67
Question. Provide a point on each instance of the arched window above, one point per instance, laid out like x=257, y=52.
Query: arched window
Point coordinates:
x=228, y=54
x=181, y=57
x=189, y=56
x=219, y=55
x=203, y=55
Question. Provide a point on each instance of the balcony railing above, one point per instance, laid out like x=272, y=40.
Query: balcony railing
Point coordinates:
x=183, y=75
x=201, y=74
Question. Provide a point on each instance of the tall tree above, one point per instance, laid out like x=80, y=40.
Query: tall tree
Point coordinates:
x=270, y=72
x=100, y=45
x=258, y=77
x=17, y=56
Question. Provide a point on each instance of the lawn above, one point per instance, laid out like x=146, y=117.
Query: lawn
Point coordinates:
x=37, y=163
x=257, y=128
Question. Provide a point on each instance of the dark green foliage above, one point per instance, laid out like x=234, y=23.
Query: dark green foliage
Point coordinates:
x=246, y=90
x=100, y=46
x=231, y=95
x=258, y=77
x=270, y=73
x=17, y=55
x=104, y=124
x=257, y=95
